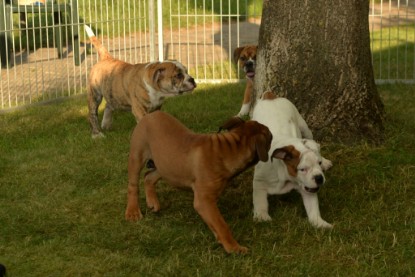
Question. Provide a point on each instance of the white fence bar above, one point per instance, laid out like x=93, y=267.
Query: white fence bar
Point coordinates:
x=160, y=29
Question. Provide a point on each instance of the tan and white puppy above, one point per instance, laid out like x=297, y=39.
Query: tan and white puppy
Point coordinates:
x=203, y=162
x=245, y=57
x=141, y=88
x=296, y=162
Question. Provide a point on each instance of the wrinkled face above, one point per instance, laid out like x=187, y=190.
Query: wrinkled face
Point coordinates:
x=310, y=175
x=246, y=58
x=171, y=78
x=258, y=135
x=304, y=167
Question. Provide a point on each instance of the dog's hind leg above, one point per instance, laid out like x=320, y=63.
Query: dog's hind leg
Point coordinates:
x=205, y=205
x=94, y=100
x=150, y=180
x=135, y=164
x=305, y=131
x=107, y=118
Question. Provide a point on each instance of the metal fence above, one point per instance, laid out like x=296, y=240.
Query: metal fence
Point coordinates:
x=45, y=54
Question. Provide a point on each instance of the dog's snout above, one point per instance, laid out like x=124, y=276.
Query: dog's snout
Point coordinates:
x=192, y=81
x=319, y=179
x=249, y=63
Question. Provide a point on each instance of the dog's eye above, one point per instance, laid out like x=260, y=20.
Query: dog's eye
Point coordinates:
x=180, y=76
x=320, y=162
x=302, y=169
x=242, y=59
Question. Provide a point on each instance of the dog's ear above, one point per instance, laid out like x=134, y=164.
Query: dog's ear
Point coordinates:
x=237, y=53
x=231, y=123
x=262, y=145
x=285, y=153
x=158, y=74
x=312, y=145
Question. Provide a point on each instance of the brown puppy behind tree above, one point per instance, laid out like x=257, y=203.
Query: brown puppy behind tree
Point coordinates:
x=203, y=162
x=245, y=57
x=140, y=88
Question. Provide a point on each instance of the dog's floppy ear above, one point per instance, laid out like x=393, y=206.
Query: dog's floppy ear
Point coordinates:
x=262, y=145
x=285, y=153
x=231, y=123
x=312, y=145
x=158, y=74
x=237, y=53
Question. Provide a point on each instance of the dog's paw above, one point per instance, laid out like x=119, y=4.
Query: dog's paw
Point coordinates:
x=133, y=215
x=98, y=135
x=236, y=249
x=153, y=204
x=326, y=164
x=262, y=217
x=321, y=224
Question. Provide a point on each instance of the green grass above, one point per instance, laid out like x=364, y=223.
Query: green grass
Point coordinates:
x=63, y=197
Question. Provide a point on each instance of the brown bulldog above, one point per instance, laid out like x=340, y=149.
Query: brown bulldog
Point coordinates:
x=140, y=88
x=203, y=162
x=245, y=57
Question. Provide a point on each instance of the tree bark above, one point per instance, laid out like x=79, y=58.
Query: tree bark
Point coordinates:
x=317, y=54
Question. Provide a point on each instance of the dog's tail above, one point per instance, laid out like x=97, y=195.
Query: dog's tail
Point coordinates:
x=102, y=51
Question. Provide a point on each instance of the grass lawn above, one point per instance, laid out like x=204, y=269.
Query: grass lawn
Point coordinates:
x=63, y=195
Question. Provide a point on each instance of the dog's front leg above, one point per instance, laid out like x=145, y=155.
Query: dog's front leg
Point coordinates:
x=246, y=104
x=313, y=211
x=206, y=206
x=260, y=199
x=326, y=164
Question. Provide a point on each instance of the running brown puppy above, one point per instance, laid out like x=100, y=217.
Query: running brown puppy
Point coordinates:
x=202, y=162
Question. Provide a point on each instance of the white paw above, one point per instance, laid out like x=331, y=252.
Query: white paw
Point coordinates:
x=98, y=135
x=262, y=216
x=321, y=224
x=244, y=110
x=326, y=164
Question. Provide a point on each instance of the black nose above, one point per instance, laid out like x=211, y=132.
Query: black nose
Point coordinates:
x=319, y=179
x=249, y=63
x=191, y=80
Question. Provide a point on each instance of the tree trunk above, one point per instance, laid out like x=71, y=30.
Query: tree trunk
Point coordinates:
x=317, y=54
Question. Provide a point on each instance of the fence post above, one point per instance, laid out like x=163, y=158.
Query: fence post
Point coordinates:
x=5, y=34
x=151, y=24
x=75, y=30
x=160, y=29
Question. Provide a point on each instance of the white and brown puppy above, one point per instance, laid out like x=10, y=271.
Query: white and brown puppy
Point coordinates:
x=245, y=57
x=295, y=162
x=139, y=87
x=203, y=162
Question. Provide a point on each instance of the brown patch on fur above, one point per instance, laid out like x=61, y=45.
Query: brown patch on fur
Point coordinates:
x=290, y=156
x=269, y=96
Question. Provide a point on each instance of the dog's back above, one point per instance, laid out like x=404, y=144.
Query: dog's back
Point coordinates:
x=281, y=117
